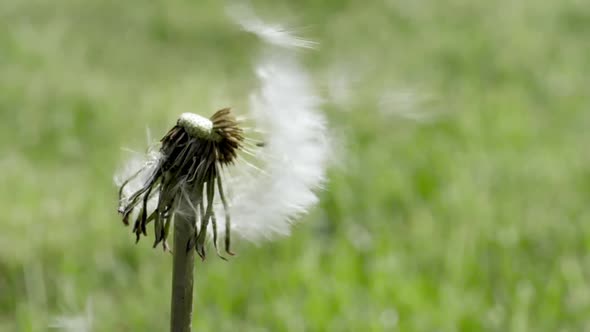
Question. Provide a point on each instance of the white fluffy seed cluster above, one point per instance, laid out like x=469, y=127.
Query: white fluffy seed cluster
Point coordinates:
x=196, y=125
x=286, y=108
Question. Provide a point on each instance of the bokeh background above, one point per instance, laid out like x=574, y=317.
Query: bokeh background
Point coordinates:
x=457, y=200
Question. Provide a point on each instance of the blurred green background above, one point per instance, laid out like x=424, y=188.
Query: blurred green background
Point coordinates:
x=458, y=202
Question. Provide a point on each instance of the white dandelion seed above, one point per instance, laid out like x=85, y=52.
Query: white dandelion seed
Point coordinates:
x=74, y=323
x=274, y=34
x=407, y=104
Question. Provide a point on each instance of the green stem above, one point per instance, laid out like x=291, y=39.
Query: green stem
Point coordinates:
x=182, y=275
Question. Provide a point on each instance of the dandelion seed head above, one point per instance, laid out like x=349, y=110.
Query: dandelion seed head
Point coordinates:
x=186, y=174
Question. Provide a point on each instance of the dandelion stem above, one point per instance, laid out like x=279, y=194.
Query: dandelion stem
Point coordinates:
x=182, y=274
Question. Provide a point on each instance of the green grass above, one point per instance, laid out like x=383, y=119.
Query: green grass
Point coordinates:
x=476, y=220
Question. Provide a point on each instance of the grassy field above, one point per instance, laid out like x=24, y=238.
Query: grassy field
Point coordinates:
x=459, y=200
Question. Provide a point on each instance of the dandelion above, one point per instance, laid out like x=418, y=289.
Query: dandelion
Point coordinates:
x=205, y=168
